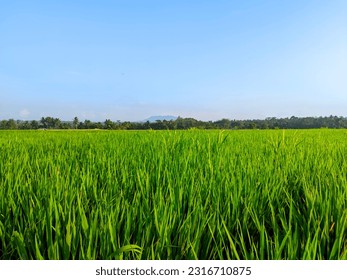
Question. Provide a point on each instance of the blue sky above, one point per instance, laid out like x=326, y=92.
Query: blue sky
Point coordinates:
x=130, y=59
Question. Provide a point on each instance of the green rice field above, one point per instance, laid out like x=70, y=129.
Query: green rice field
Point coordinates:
x=253, y=194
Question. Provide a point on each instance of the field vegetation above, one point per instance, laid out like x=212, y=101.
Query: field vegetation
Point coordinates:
x=194, y=194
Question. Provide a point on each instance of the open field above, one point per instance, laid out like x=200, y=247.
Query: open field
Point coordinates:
x=173, y=194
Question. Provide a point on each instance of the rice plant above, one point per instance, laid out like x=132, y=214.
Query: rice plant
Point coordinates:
x=173, y=194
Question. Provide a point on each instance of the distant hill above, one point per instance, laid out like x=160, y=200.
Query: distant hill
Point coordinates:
x=160, y=118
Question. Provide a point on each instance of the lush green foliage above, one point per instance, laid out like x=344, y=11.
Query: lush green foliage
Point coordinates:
x=173, y=194
x=181, y=123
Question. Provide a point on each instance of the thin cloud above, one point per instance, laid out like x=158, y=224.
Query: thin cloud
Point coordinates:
x=24, y=113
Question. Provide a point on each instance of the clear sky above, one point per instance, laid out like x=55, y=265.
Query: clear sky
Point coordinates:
x=131, y=59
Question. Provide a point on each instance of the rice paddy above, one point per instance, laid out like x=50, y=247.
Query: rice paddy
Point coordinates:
x=195, y=194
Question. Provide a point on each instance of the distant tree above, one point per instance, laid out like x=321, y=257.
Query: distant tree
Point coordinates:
x=24, y=125
x=159, y=125
x=75, y=122
x=34, y=124
x=11, y=124
x=65, y=125
x=3, y=124
x=183, y=123
x=108, y=124
x=126, y=125
x=147, y=125
x=98, y=125
x=186, y=123
x=49, y=122
x=223, y=123
x=87, y=124
x=43, y=123
x=56, y=123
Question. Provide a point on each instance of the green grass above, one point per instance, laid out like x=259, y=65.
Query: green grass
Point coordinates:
x=173, y=194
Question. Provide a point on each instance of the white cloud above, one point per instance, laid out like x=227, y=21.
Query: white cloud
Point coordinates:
x=24, y=113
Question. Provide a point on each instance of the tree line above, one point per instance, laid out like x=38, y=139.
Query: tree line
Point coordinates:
x=180, y=123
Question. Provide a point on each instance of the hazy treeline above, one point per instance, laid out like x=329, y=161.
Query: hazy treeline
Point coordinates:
x=180, y=123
